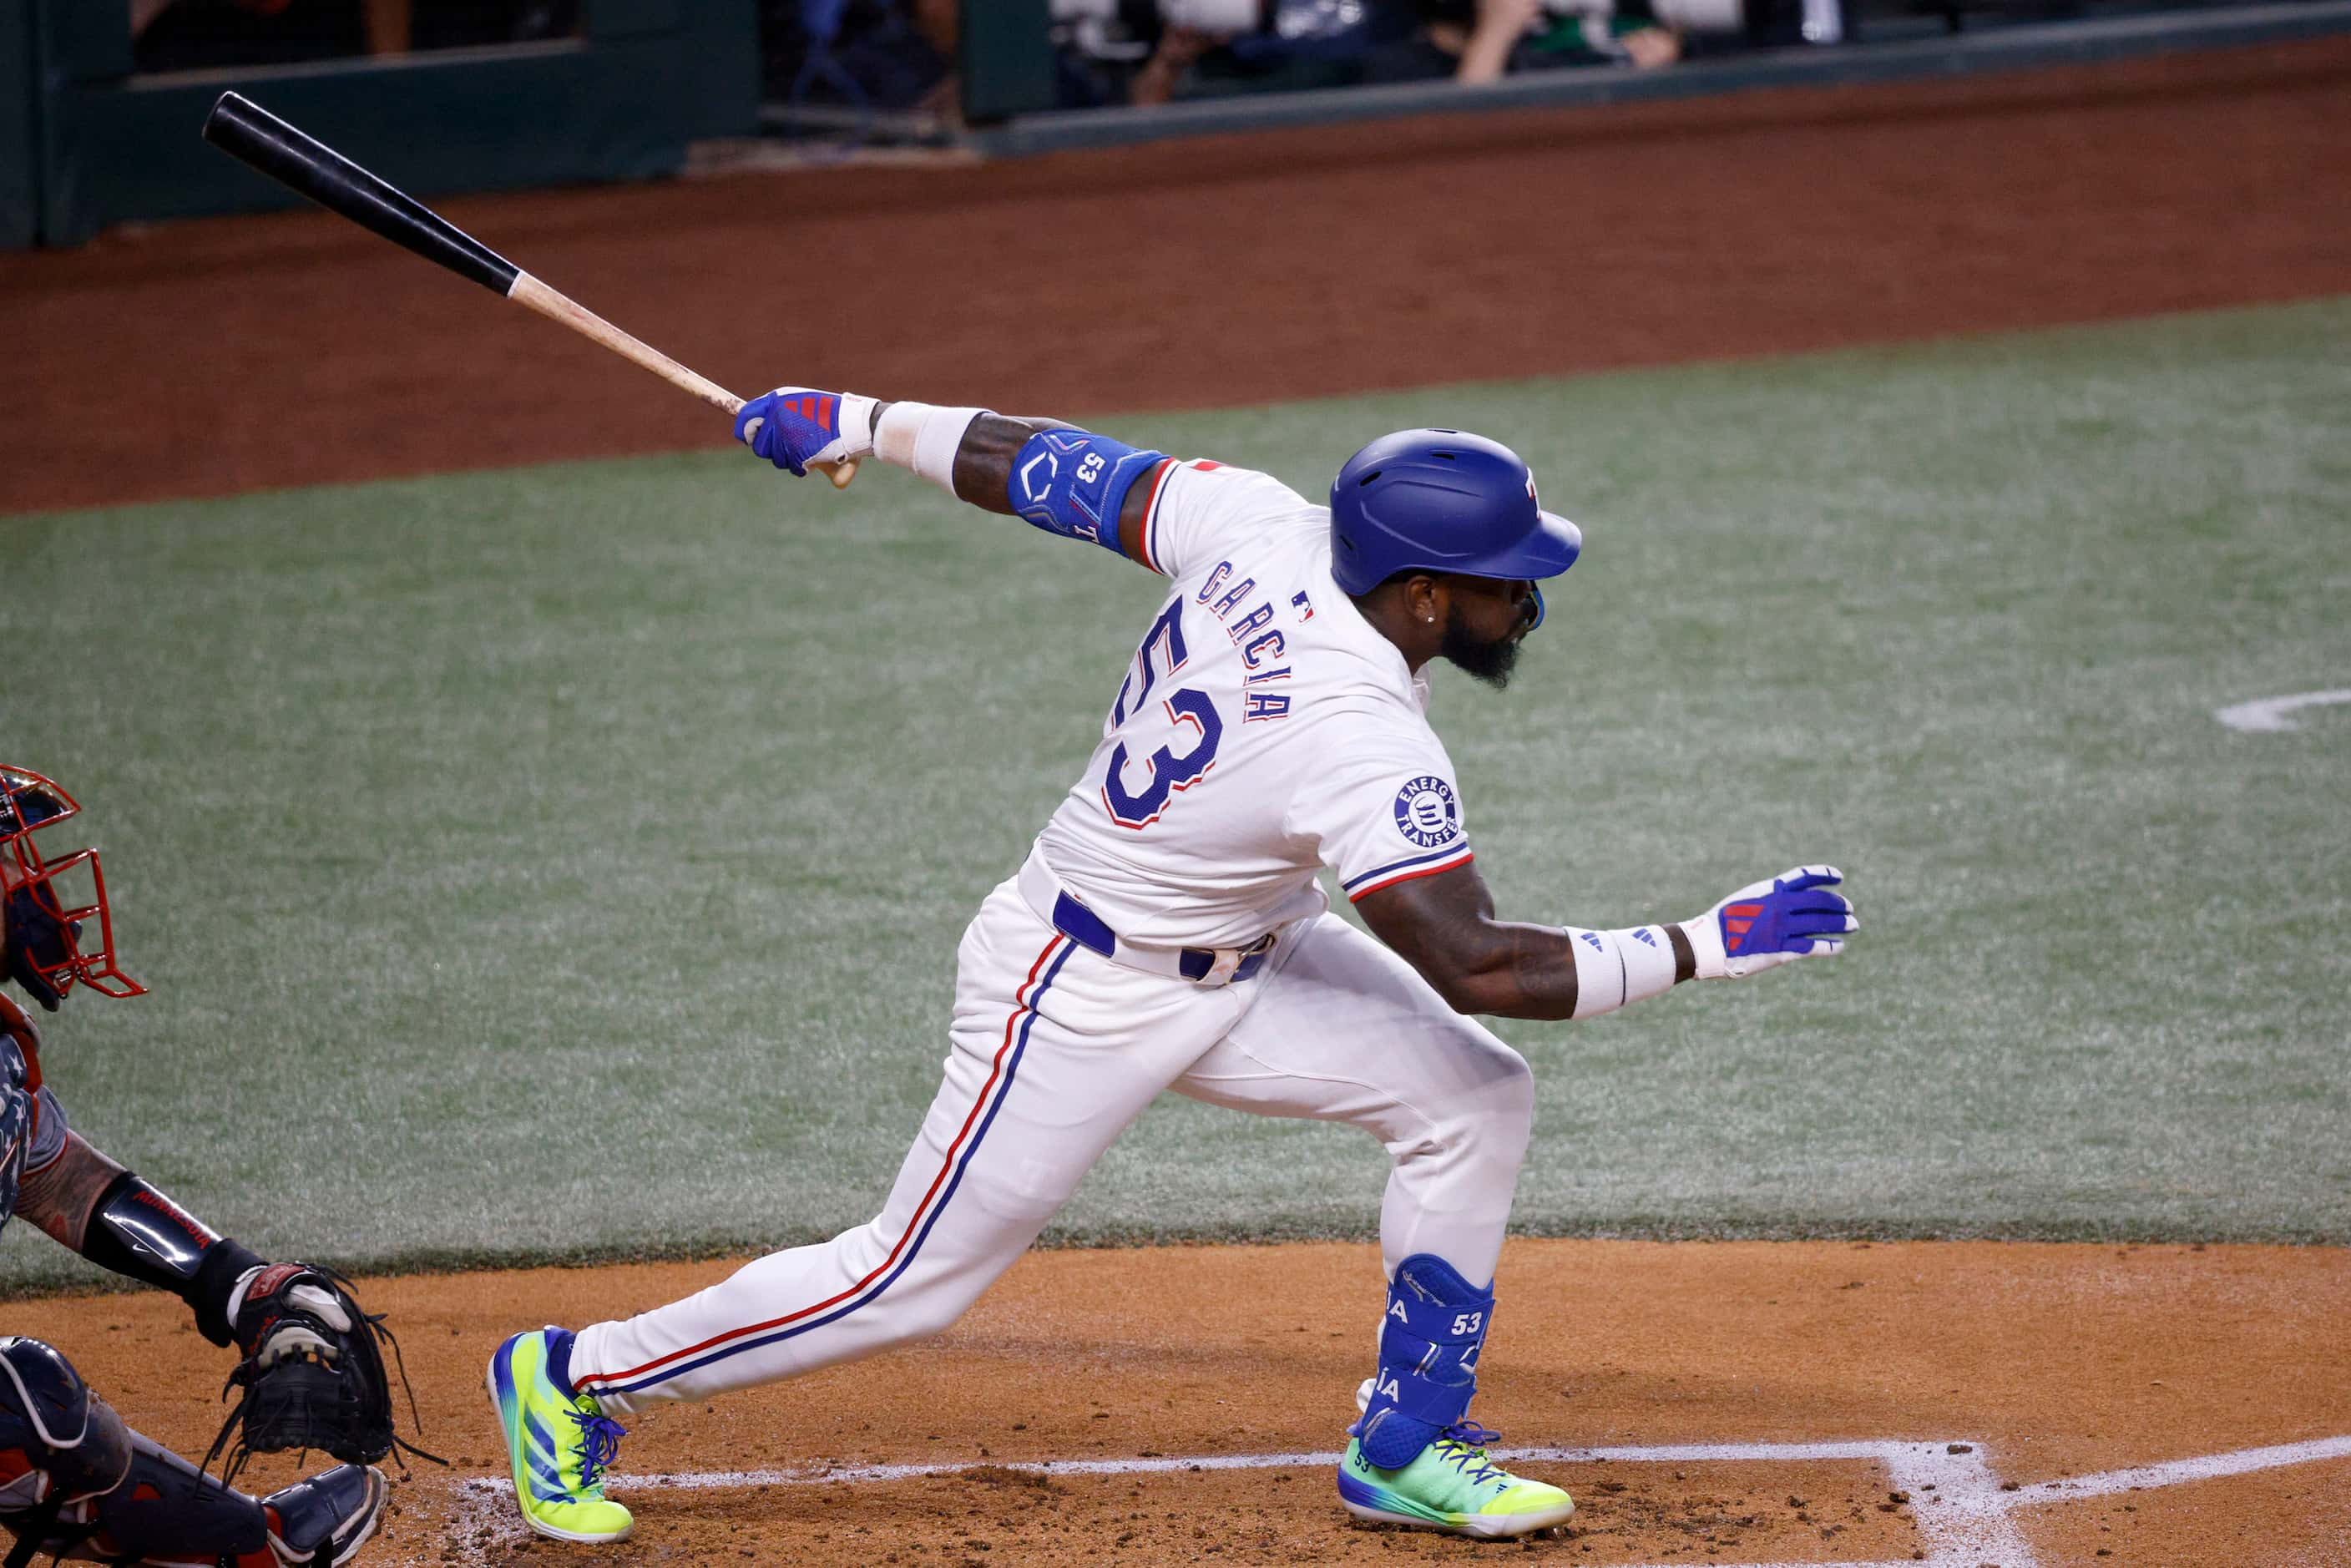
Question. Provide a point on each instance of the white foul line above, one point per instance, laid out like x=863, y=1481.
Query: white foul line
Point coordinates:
x=692, y=1479
x=1699, y=1453
x=2267, y=715
x=2206, y=1467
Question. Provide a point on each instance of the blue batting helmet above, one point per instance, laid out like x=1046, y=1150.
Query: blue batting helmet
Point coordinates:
x=1442, y=501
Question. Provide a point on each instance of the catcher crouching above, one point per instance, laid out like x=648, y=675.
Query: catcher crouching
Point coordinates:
x=75, y=1482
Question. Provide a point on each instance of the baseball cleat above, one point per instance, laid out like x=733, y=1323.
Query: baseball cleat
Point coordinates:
x=1452, y=1487
x=558, y=1444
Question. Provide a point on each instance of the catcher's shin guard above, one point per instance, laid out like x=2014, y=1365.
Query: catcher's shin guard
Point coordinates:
x=59, y=1443
x=324, y=1521
x=60, y=1447
x=76, y=1482
x=166, y=1509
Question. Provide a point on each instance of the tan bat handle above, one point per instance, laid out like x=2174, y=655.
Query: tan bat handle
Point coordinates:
x=528, y=290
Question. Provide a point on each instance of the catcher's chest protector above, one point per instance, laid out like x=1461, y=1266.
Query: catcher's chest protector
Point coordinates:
x=16, y=1120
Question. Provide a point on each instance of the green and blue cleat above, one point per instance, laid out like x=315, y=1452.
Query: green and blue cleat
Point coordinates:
x=1450, y=1486
x=558, y=1444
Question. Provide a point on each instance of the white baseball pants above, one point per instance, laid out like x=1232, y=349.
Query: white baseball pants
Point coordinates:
x=1055, y=1049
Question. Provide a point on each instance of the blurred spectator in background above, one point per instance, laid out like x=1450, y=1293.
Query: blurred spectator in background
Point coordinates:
x=203, y=35
x=1161, y=39
x=1146, y=51
x=877, y=55
x=1139, y=51
x=862, y=56
x=1518, y=34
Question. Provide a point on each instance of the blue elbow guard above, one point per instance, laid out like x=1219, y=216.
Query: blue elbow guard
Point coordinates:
x=1073, y=482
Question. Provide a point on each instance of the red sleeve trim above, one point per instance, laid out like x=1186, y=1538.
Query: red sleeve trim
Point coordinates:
x=1413, y=875
x=1151, y=514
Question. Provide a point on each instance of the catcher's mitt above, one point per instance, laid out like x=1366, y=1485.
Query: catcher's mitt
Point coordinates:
x=312, y=1374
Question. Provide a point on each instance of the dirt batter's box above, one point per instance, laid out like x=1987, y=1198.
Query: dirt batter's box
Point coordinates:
x=1964, y=1513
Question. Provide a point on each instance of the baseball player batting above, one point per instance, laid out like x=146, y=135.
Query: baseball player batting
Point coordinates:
x=1167, y=931
x=75, y=1480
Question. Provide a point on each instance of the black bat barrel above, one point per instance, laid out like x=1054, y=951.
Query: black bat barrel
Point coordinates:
x=245, y=130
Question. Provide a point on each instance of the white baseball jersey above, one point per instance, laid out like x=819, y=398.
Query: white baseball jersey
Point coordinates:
x=1264, y=730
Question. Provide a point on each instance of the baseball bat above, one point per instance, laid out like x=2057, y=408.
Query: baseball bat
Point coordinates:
x=247, y=132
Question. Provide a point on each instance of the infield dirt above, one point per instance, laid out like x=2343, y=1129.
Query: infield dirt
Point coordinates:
x=216, y=357
x=2054, y=1361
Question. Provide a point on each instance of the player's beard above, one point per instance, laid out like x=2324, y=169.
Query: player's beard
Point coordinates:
x=1489, y=662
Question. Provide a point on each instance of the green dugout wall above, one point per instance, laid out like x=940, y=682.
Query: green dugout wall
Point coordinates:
x=85, y=142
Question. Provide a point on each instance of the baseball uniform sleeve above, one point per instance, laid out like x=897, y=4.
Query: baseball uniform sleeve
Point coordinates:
x=50, y=1131
x=1385, y=812
x=1199, y=509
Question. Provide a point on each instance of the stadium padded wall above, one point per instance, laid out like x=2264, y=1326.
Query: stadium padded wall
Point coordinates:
x=1007, y=63
x=102, y=145
x=18, y=191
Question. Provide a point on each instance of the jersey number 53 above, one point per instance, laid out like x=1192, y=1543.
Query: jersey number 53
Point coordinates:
x=1192, y=719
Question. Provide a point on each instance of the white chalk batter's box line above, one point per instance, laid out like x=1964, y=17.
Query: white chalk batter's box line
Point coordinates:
x=1963, y=1516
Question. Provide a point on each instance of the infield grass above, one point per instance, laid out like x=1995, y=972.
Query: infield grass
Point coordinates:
x=568, y=863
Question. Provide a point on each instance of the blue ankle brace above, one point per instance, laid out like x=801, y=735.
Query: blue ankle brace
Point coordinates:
x=1430, y=1341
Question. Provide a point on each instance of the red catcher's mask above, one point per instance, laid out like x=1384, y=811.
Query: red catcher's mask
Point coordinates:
x=53, y=907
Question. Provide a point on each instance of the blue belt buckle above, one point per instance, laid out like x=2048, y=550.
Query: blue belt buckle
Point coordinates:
x=1083, y=926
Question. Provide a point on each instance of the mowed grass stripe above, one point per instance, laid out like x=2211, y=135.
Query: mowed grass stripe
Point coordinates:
x=568, y=862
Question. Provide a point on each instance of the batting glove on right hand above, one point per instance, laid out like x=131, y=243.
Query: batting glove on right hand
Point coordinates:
x=1792, y=917
x=792, y=427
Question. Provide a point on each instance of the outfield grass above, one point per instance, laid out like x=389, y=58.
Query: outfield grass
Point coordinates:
x=568, y=863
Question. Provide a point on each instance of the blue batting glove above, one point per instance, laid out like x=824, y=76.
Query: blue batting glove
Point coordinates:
x=1794, y=915
x=792, y=427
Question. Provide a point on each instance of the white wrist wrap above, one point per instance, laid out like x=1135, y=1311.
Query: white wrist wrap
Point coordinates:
x=1615, y=968
x=856, y=425
x=925, y=438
